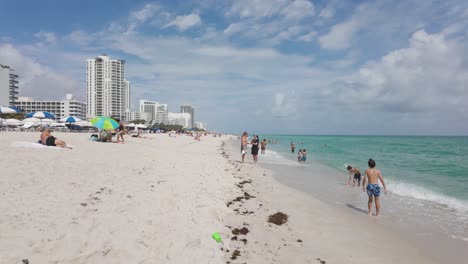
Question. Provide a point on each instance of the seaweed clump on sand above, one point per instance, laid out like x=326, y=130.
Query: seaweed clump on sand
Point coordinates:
x=235, y=254
x=242, y=231
x=278, y=218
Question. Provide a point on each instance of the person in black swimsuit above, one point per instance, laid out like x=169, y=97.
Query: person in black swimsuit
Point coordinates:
x=255, y=148
x=357, y=175
x=49, y=140
x=121, y=131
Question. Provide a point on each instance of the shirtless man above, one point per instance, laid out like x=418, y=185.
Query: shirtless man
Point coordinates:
x=293, y=147
x=49, y=140
x=244, y=145
x=373, y=188
x=357, y=176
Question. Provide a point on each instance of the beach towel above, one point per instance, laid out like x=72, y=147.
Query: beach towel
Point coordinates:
x=33, y=145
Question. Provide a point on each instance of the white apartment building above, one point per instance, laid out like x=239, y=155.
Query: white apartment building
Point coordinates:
x=132, y=116
x=8, y=86
x=191, y=111
x=182, y=119
x=60, y=109
x=157, y=111
x=107, y=92
x=200, y=125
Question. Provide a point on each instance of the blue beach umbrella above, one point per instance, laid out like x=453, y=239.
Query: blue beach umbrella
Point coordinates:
x=8, y=110
x=40, y=115
x=70, y=119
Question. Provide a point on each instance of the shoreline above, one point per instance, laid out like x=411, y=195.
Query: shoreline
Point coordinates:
x=326, y=233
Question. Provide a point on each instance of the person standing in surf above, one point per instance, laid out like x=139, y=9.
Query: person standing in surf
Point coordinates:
x=254, y=150
x=244, y=145
x=263, y=145
x=293, y=147
x=373, y=188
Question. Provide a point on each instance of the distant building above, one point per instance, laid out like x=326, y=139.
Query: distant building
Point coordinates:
x=200, y=125
x=182, y=119
x=8, y=86
x=157, y=111
x=107, y=92
x=190, y=110
x=132, y=116
x=60, y=109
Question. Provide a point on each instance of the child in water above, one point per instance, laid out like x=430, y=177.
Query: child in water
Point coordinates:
x=299, y=155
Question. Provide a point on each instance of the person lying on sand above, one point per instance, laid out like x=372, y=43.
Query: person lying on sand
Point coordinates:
x=49, y=140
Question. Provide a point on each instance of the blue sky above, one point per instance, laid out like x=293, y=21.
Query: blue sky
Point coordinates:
x=265, y=66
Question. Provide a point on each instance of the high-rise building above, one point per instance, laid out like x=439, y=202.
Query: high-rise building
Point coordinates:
x=60, y=109
x=157, y=111
x=191, y=111
x=132, y=116
x=8, y=86
x=182, y=119
x=107, y=92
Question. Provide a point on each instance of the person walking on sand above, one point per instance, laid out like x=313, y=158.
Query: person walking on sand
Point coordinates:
x=293, y=147
x=263, y=146
x=244, y=145
x=49, y=140
x=373, y=188
x=122, y=131
x=357, y=176
x=254, y=150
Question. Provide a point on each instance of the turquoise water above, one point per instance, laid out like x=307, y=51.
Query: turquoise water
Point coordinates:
x=421, y=167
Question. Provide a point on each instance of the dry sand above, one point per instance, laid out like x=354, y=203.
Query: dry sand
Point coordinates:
x=159, y=199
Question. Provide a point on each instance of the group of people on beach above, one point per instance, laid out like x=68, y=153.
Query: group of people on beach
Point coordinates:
x=256, y=145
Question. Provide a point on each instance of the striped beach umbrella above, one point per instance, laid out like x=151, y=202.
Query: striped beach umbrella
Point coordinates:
x=105, y=123
x=70, y=119
x=8, y=110
x=40, y=115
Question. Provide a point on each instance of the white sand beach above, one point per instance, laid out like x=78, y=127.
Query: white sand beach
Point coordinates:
x=159, y=199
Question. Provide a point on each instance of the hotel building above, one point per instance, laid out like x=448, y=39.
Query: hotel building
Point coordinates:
x=190, y=110
x=8, y=86
x=107, y=92
x=60, y=109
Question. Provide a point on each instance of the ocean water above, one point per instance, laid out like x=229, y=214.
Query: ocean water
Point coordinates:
x=421, y=167
x=427, y=179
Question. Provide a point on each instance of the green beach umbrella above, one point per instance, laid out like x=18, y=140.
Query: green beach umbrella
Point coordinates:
x=105, y=123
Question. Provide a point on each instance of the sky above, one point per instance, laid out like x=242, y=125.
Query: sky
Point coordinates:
x=382, y=67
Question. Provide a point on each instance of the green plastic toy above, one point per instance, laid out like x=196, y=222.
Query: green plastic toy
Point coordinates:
x=216, y=237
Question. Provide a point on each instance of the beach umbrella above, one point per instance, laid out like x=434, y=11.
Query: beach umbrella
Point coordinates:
x=70, y=119
x=84, y=124
x=8, y=110
x=141, y=126
x=40, y=115
x=13, y=122
x=32, y=120
x=106, y=123
x=57, y=124
x=131, y=125
x=47, y=121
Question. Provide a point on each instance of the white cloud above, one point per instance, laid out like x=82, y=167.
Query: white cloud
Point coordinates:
x=298, y=9
x=46, y=37
x=340, y=35
x=256, y=8
x=284, y=105
x=79, y=37
x=307, y=37
x=144, y=14
x=327, y=13
x=185, y=22
x=235, y=28
x=37, y=80
x=429, y=75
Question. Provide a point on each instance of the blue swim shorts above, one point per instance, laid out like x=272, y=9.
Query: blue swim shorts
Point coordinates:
x=373, y=190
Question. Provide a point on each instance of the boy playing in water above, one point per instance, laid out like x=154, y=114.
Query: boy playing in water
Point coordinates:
x=373, y=188
x=357, y=176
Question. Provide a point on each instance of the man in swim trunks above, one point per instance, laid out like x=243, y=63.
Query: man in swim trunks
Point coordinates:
x=244, y=145
x=373, y=188
x=357, y=175
x=49, y=140
x=293, y=147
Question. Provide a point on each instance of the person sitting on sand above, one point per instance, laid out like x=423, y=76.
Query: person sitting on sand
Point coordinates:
x=357, y=175
x=373, y=188
x=49, y=140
